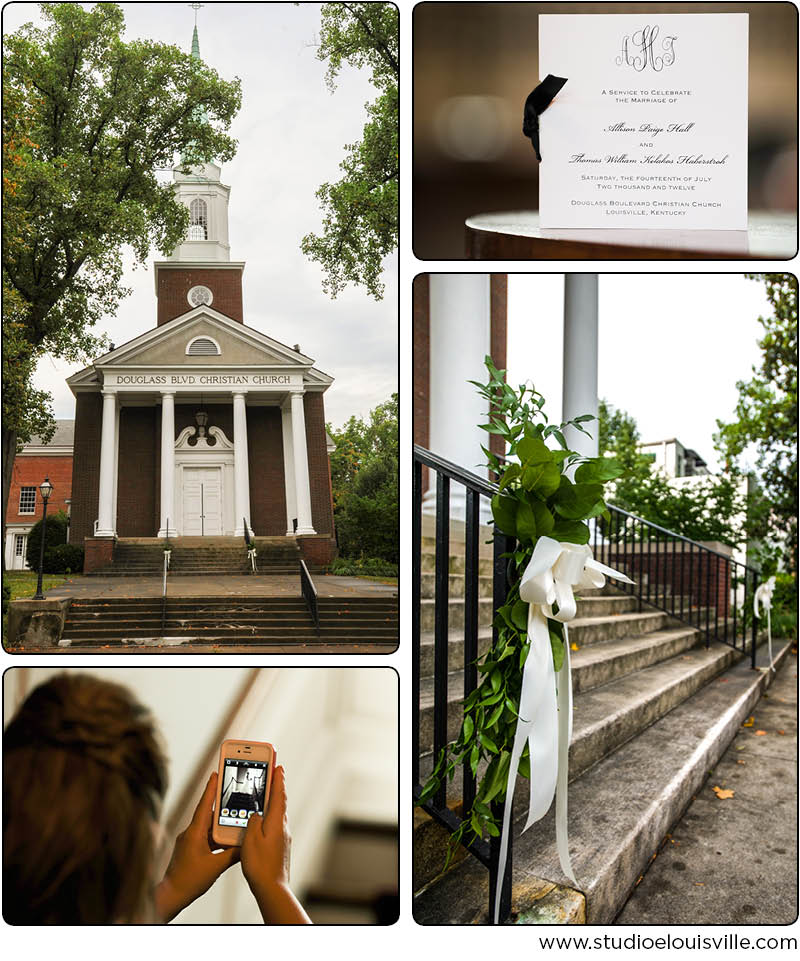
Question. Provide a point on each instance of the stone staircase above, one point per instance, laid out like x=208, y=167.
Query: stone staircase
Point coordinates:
x=231, y=620
x=653, y=712
x=138, y=557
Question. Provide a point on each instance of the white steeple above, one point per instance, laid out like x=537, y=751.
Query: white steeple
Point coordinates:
x=207, y=199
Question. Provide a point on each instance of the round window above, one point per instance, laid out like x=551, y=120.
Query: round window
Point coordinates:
x=199, y=295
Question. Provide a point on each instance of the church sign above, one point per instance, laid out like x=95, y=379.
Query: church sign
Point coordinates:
x=208, y=381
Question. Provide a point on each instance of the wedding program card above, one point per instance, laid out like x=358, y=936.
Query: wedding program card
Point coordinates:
x=650, y=129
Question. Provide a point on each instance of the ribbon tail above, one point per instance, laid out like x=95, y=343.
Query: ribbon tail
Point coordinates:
x=539, y=707
x=769, y=639
x=564, y=678
x=513, y=767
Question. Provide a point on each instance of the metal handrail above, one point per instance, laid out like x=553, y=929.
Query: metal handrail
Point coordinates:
x=686, y=580
x=309, y=592
x=167, y=554
x=487, y=852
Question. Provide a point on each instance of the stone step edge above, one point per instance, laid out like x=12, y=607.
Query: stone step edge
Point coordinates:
x=703, y=758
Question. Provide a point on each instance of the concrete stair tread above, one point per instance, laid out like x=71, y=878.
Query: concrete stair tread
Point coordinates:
x=619, y=809
x=606, y=650
x=625, y=804
x=629, y=616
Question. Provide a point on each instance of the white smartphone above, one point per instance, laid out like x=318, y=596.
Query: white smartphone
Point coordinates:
x=245, y=778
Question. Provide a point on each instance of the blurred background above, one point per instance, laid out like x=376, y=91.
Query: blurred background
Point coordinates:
x=335, y=731
x=476, y=63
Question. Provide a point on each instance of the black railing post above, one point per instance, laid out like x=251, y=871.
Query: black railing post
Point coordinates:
x=416, y=605
x=441, y=626
x=471, y=620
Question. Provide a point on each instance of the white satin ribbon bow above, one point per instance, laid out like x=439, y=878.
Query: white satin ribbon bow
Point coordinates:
x=763, y=595
x=545, y=707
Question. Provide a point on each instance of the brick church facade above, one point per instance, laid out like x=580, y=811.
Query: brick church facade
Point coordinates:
x=201, y=426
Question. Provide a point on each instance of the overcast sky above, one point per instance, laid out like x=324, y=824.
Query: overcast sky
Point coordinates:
x=671, y=347
x=291, y=134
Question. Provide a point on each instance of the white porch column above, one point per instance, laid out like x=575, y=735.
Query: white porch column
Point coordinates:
x=108, y=444
x=288, y=469
x=460, y=338
x=302, y=485
x=241, y=470
x=167, y=464
x=579, y=393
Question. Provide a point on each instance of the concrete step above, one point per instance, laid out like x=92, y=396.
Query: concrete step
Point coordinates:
x=456, y=584
x=603, y=717
x=455, y=649
x=427, y=614
x=456, y=563
x=619, y=810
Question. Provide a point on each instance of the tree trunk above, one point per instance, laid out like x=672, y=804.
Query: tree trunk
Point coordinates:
x=9, y=455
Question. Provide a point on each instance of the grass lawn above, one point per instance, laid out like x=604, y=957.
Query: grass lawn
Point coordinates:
x=23, y=583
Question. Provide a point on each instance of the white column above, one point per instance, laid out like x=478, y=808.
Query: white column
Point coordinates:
x=302, y=485
x=115, y=484
x=241, y=471
x=288, y=470
x=460, y=339
x=108, y=443
x=167, y=464
x=579, y=393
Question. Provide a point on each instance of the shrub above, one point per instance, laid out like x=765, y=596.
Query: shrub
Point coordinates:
x=784, y=606
x=6, y=596
x=363, y=566
x=57, y=524
x=63, y=559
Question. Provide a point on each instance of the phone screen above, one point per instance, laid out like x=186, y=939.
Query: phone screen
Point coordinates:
x=243, y=785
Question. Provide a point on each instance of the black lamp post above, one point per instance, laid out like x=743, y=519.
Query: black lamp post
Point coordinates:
x=45, y=489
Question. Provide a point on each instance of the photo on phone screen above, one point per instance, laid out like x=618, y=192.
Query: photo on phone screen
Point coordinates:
x=243, y=785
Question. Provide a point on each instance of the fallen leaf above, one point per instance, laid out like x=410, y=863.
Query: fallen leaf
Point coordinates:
x=574, y=647
x=740, y=761
x=722, y=793
x=781, y=732
x=699, y=884
x=760, y=733
x=749, y=722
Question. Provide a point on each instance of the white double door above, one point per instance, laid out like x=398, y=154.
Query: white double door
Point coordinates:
x=202, y=501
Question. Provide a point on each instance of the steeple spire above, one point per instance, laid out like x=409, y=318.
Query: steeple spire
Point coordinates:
x=195, y=39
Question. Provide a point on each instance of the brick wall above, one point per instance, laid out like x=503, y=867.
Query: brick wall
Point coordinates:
x=702, y=578
x=317, y=551
x=30, y=471
x=265, y=463
x=175, y=283
x=137, y=478
x=318, y=473
x=85, y=466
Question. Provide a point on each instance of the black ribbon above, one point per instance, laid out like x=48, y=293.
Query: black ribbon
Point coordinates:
x=539, y=99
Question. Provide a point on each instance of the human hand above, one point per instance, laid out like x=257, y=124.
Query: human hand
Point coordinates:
x=266, y=852
x=194, y=865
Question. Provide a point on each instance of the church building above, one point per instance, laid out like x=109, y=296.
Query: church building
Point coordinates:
x=203, y=425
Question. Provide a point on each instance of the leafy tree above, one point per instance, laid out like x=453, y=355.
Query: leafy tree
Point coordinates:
x=766, y=417
x=708, y=510
x=88, y=121
x=364, y=471
x=360, y=222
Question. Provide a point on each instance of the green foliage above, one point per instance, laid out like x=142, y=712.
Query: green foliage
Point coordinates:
x=57, y=524
x=63, y=559
x=535, y=498
x=364, y=470
x=363, y=567
x=88, y=121
x=766, y=418
x=360, y=211
x=6, y=596
x=707, y=510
